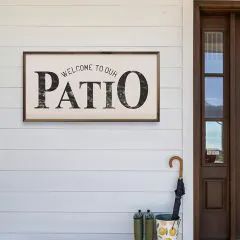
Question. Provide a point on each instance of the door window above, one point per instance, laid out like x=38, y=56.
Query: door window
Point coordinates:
x=213, y=80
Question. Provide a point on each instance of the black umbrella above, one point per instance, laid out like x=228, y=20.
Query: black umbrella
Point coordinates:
x=180, y=191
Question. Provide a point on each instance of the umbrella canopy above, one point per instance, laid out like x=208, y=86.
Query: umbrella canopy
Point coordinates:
x=180, y=191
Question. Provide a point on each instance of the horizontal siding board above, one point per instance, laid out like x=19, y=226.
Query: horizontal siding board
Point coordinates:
x=66, y=222
x=170, y=119
x=99, y=223
x=75, y=36
x=12, y=98
x=12, y=77
x=170, y=57
x=170, y=77
x=88, y=181
x=65, y=236
x=87, y=2
x=122, y=160
x=91, y=16
x=85, y=201
x=70, y=236
x=90, y=139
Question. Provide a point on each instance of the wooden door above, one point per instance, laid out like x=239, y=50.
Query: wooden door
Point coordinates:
x=214, y=169
x=217, y=120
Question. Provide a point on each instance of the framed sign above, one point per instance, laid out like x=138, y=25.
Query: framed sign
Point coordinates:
x=91, y=86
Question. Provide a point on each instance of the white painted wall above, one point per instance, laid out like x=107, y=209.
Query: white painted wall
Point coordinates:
x=84, y=180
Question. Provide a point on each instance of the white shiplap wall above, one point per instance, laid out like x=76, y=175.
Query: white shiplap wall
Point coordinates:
x=84, y=180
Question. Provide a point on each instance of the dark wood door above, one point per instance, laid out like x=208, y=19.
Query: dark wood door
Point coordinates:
x=217, y=125
x=214, y=170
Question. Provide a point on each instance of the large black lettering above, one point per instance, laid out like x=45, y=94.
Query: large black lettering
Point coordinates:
x=90, y=92
x=143, y=90
x=42, y=87
x=70, y=98
x=109, y=95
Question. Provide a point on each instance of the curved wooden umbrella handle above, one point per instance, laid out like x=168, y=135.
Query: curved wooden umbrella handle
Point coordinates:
x=180, y=162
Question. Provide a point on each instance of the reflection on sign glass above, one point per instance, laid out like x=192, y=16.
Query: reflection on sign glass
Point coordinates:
x=214, y=140
x=213, y=52
x=213, y=97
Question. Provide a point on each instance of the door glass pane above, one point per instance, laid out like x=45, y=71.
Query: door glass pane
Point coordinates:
x=214, y=142
x=213, y=42
x=213, y=97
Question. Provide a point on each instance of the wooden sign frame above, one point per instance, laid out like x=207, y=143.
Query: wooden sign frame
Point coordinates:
x=135, y=65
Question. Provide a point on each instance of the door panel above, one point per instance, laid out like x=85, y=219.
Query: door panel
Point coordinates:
x=215, y=194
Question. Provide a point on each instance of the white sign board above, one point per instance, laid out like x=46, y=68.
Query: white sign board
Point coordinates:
x=91, y=86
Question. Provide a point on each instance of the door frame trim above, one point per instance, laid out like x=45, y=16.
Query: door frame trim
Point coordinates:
x=196, y=119
x=233, y=160
x=213, y=7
